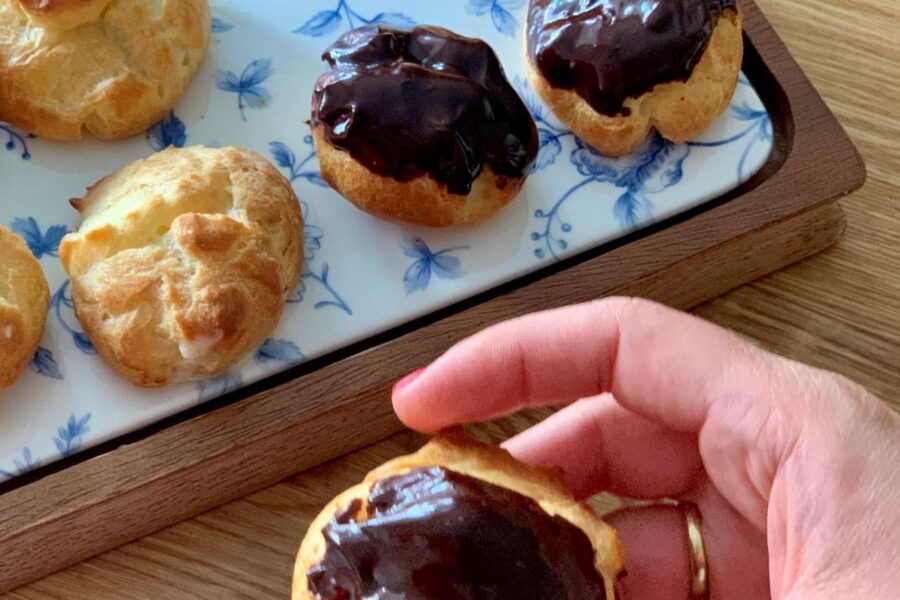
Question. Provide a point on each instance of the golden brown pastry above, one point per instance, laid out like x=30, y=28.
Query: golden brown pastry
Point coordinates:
x=612, y=70
x=457, y=519
x=423, y=200
x=183, y=261
x=421, y=126
x=112, y=68
x=24, y=299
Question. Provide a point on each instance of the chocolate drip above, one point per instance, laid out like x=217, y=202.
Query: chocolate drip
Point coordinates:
x=610, y=50
x=433, y=534
x=426, y=101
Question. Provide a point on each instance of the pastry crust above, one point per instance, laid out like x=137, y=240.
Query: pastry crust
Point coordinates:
x=112, y=68
x=183, y=261
x=422, y=201
x=680, y=110
x=24, y=299
x=457, y=452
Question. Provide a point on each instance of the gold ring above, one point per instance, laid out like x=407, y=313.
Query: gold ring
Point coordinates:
x=696, y=551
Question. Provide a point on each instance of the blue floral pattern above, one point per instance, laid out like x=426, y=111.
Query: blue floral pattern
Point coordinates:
x=285, y=158
x=26, y=464
x=500, y=11
x=320, y=277
x=248, y=86
x=652, y=169
x=225, y=383
x=63, y=306
x=68, y=440
x=758, y=130
x=657, y=166
x=16, y=140
x=220, y=26
x=312, y=235
x=441, y=264
x=279, y=351
x=325, y=22
x=170, y=131
x=550, y=135
x=40, y=243
x=44, y=364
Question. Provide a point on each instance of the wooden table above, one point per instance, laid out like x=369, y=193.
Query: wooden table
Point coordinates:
x=839, y=310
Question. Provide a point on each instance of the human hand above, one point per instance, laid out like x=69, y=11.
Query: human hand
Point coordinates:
x=796, y=471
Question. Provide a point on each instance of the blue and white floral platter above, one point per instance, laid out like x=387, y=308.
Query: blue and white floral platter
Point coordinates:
x=362, y=275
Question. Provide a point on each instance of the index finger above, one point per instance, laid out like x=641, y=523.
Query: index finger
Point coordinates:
x=658, y=362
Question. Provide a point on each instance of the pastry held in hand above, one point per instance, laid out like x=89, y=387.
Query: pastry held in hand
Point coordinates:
x=612, y=70
x=111, y=68
x=24, y=299
x=183, y=261
x=421, y=126
x=457, y=519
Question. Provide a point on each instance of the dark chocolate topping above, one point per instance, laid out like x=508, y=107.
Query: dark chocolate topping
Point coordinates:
x=610, y=50
x=436, y=534
x=426, y=101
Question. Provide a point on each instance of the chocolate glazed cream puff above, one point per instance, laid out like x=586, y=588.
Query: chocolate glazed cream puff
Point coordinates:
x=612, y=70
x=421, y=126
x=462, y=520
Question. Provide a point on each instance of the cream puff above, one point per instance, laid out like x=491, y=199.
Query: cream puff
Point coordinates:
x=458, y=519
x=183, y=261
x=24, y=299
x=612, y=70
x=421, y=126
x=110, y=68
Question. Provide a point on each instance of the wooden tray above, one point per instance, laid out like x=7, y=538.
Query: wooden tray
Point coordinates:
x=59, y=515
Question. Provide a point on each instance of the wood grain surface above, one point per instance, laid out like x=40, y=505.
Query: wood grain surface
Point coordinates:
x=839, y=310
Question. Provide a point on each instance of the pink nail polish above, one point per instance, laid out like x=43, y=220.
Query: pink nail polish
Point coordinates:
x=408, y=379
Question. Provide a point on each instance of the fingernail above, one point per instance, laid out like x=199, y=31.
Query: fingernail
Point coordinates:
x=408, y=379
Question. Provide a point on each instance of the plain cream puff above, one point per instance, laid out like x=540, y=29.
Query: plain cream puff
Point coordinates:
x=110, y=68
x=183, y=261
x=24, y=299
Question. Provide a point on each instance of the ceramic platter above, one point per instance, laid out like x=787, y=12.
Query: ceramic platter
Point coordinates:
x=362, y=275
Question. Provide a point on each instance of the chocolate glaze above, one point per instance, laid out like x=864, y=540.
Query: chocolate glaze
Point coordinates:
x=426, y=101
x=610, y=50
x=433, y=534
